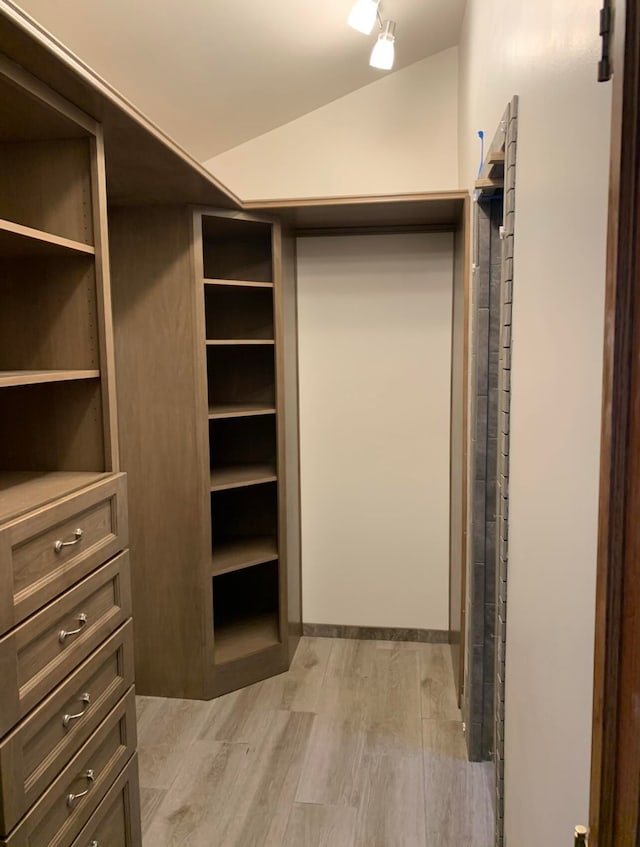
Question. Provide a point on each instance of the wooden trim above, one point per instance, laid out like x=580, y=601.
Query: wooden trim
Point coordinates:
x=201, y=409
x=351, y=200
x=615, y=765
x=281, y=400
x=401, y=229
x=375, y=633
x=105, y=311
x=465, y=436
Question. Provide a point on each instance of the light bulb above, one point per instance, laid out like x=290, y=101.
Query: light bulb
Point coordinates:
x=363, y=15
x=384, y=51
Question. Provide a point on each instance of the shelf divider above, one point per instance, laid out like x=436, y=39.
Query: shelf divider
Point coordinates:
x=17, y=240
x=237, y=476
x=238, y=553
x=246, y=637
x=14, y=378
x=241, y=283
x=218, y=411
x=239, y=342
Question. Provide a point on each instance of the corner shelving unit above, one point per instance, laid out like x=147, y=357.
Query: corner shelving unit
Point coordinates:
x=241, y=345
x=55, y=432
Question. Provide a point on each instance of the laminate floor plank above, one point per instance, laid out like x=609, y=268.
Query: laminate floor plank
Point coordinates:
x=359, y=745
x=150, y=800
x=196, y=809
x=439, y=700
x=457, y=792
x=339, y=732
x=236, y=795
x=299, y=690
x=311, y=825
x=392, y=705
x=390, y=800
x=166, y=730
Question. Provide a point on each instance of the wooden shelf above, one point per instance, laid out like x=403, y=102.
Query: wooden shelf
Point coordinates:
x=13, y=378
x=229, y=342
x=244, y=283
x=239, y=410
x=17, y=240
x=237, y=476
x=489, y=186
x=23, y=491
x=239, y=553
x=244, y=637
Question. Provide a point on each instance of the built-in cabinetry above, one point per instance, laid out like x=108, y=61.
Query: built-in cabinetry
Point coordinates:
x=67, y=706
x=201, y=351
x=240, y=287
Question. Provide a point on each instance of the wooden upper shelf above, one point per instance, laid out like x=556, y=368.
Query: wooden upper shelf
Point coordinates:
x=404, y=212
x=9, y=379
x=18, y=240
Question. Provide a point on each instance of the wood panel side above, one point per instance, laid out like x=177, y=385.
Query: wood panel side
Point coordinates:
x=158, y=385
x=290, y=419
x=459, y=429
x=104, y=305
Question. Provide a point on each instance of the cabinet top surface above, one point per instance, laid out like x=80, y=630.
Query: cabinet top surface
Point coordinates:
x=23, y=491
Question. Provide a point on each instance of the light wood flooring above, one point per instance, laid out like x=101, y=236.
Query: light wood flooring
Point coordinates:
x=359, y=745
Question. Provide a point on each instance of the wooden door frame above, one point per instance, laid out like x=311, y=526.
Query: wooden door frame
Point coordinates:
x=615, y=766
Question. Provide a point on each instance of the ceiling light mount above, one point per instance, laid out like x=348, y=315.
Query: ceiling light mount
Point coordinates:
x=363, y=17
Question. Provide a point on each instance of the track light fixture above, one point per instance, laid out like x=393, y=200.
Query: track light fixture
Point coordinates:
x=384, y=50
x=362, y=18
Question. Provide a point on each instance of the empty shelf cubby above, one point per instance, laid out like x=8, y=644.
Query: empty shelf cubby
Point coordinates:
x=49, y=318
x=236, y=249
x=45, y=168
x=242, y=450
x=244, y=523
x=242, y=374
x=54, y=426
x=245, y=612
x=239, y=313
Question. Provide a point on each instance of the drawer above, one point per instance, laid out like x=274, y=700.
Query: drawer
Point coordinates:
x=62, y=811
x=35, y=568
x=116, y=821
x=36, y=656
x=40, y=747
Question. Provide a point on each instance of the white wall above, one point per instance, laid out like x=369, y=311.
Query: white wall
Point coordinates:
x=398, y=134
x=375, y=349
x=547, y=53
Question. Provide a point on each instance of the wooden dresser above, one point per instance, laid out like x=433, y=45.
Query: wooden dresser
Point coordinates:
x=68, y=769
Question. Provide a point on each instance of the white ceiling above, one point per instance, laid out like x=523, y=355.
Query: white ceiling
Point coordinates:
x=215, y=73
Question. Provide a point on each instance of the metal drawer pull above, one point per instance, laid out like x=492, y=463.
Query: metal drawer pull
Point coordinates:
x=60, y=544
x=82, y=621
x=85, y=700
x=94, y=843
x=71, y=798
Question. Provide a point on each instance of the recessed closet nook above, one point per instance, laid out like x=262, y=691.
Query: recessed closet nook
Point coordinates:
x=150, y=450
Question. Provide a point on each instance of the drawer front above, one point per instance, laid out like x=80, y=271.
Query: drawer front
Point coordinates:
x=44, y=553
x=37, y=750
x=60, y=814
x=116, y=821
x=36, y=656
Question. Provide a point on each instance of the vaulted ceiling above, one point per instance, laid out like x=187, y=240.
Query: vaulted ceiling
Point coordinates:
x=215, y=73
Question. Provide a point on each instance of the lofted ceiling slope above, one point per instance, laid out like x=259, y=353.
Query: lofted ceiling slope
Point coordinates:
x=216, y=73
